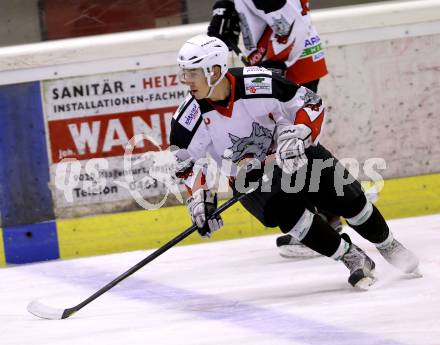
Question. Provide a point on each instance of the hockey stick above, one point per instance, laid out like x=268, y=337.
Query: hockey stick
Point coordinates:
x=46, y=312
x=239, y=53
x=247, y=63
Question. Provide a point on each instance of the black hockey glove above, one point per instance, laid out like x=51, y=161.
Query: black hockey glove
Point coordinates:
x=201, y=205
x=225, y=23
x=278, y=68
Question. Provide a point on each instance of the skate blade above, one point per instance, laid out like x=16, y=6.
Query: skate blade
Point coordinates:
x=297, y=251
x=365, y=283
x=299, y=256
x=415, y=273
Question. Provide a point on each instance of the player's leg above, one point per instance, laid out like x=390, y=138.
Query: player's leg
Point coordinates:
x=290, y=247
x=341, y=194
x=315, y=233
x=371, y=225
x=331, y=218
x=256, y=203
x=287, y=210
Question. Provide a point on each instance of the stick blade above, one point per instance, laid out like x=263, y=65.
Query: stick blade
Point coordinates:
x=45, y=312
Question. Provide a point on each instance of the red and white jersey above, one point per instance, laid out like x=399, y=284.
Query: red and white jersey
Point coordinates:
x=244, y=126
x=282, y=30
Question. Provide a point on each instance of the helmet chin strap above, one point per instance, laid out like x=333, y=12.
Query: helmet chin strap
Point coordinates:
x=211, y=89
x=212, y=86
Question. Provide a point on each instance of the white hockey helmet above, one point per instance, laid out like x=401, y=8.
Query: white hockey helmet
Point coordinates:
x=204, y=52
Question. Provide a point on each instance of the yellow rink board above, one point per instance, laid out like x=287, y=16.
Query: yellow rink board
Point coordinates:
x=410, y=196
x=143, y=230
x=2, y=250
x=404, y=197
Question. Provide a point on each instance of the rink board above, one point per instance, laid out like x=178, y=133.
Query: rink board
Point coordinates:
x=404, y=197
x=120, y=232
x=2, y=251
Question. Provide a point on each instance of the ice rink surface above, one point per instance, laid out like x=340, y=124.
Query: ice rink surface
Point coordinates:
x=230, y=292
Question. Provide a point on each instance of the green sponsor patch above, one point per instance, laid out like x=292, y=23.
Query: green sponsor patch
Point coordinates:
x=311, y=50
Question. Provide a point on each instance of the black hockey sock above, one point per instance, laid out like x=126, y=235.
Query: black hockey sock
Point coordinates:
x=374, y=229
x=322, y=238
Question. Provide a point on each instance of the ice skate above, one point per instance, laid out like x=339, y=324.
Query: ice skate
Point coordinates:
x=360, y=265
x=400, y=257
x=290, y=247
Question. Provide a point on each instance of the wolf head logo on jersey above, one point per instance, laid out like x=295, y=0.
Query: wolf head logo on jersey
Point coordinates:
x=311, y=100
x=282, y=29
x=253, y=146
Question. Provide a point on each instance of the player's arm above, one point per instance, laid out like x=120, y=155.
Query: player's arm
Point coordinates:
x=189, y=142
x=225, y=23
x=299, y=116
x=301, y=107
x=282, y=41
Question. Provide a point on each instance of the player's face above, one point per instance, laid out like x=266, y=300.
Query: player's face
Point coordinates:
x=196, y=80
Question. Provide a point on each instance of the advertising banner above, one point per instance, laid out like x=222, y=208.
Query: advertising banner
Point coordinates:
x=90, y=121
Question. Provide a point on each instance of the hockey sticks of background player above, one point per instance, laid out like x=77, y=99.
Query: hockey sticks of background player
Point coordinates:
x=239, y=53
x=46, y=312
x=277, y=67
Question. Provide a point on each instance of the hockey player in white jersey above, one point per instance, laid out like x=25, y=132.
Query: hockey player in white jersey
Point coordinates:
x=278, y=35
x=244, y=115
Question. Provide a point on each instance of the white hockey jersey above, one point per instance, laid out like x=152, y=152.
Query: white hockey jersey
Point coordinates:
x=282, y=30
x=245, y=125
